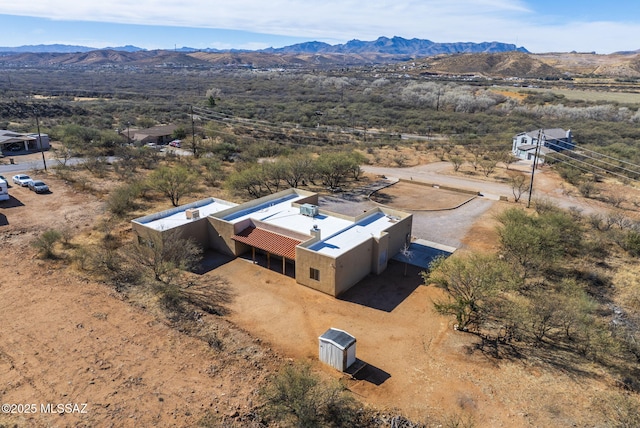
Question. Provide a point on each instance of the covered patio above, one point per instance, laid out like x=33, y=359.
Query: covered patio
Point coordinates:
x=271, y=243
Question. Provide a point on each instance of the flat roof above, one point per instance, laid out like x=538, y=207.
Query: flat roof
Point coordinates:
x=177, y=216
x=354, y=235
x=279, y=212
x=338, y=234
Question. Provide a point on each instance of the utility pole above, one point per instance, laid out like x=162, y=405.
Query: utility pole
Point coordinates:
x=193, y=134
x=534, y=166
x=35, y=110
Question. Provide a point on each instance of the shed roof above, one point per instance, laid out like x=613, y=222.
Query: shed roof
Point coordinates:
x=339, y=338
x=274, y=243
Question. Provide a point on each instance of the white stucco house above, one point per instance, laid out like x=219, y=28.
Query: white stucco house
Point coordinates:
x=550, y=140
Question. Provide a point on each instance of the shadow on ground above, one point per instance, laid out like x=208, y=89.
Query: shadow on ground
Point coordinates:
x=11, y=203
x=387, y=290
x=361, y=370
x=211, y=260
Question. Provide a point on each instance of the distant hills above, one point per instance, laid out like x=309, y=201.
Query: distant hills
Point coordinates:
x=383, y=45
x=62, y=49
x=413, y=57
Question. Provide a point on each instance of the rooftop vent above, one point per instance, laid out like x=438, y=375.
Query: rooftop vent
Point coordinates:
x=309, y=210
x=192, y=213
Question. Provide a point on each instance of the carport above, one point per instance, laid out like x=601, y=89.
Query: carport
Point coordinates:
x=10, y=140
x=271, y=243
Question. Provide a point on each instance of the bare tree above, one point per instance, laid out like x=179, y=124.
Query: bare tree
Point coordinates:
x=488, y=166
x=166, y=253
x=519, y=185
x=457, y=162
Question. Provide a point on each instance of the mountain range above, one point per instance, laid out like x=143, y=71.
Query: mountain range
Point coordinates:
x=383, y=45
x=414, y=56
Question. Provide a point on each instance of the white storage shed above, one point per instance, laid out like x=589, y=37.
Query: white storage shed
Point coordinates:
x=337, y=348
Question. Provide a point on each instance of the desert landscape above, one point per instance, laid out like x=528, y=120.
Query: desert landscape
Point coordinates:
x=529, y=320
x=68, y=338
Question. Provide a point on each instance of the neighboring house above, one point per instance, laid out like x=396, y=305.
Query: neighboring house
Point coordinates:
x=16, y=142
x=550, y=140
x=157, y=135
x=325, y=251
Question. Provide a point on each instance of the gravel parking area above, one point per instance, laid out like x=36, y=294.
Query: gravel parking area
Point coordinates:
x=446, y=227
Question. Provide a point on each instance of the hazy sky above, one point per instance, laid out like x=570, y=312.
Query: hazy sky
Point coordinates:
x=538, y=25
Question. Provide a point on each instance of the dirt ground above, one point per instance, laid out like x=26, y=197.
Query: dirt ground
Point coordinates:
x=402, y=195
x=65, y=338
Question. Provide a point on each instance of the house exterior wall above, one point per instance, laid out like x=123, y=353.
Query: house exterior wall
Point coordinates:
x=353, y=266
x=220, y=235
x=306, y=260
x=400, y=232
x=554, y=139
x=380, y=253
x=195, y=230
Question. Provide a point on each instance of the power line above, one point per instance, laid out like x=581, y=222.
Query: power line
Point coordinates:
x=579, y=153
x=593, y=166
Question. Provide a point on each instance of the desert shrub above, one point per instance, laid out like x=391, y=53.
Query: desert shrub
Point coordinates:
x=296, y=397
x=122, y=200
x=212, y=170
x=533, y=244
x=45, y=243
x=571, y=175
x=165, y=254
x=587, y=188
x=631, y=243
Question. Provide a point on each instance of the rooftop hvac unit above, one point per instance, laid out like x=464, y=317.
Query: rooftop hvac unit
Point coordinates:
x=192, y=213
x=309, y=210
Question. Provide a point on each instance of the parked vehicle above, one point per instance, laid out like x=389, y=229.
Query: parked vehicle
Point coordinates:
x=176, y=143
x=2, y=178
x=4, y=190
x=38, y=186
x=22, y=180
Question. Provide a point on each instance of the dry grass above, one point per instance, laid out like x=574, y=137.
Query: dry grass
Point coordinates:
x=591, y=96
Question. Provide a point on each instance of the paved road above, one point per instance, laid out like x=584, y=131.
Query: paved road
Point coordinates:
x=22, y=166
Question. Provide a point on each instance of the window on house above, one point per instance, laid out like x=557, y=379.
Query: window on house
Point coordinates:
x=314, y=274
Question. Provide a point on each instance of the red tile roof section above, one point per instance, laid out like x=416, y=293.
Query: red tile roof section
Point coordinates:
x=273, y=243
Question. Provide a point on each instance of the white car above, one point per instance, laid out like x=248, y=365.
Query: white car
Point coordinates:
x=21, y=180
